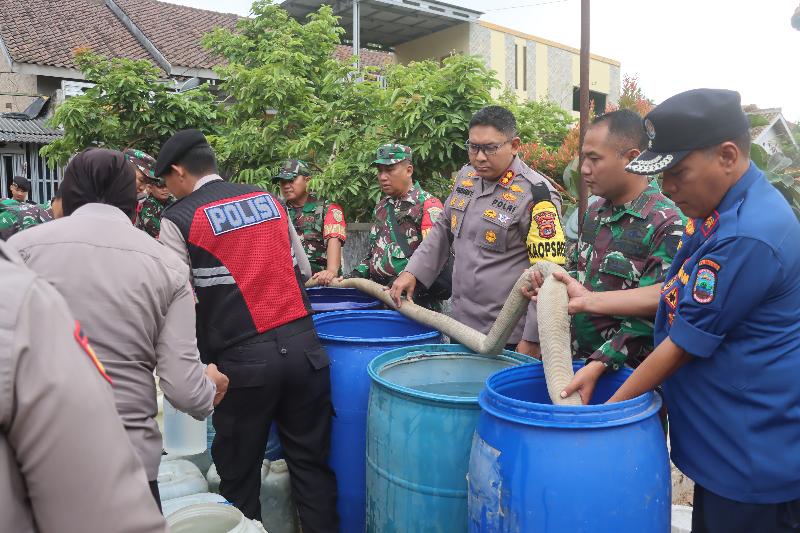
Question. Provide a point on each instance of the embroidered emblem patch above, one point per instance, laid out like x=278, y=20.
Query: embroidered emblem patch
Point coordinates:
x=471, y=174
x=467, y=183
x=83, y=342
x=337, y=215
x=689, y=227
x=490, y=213
x=490, y=237
x=546, y=222
x=709, y=263
x=516, y=188
x=672, y=298
x=503, y=218
x=668, y=285
x=709, y=224
x=453, y=201
x=704, y=285
x=462, y=203
x=507, y=178
x=670, y=318
x=510, y=197
x=650, y=129
x=453, y=223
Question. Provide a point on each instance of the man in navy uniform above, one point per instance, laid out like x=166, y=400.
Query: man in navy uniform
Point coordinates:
x=727, y=327
x=253, y=321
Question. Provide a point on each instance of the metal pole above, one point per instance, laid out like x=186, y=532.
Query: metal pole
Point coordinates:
x=357, y=32
x=584, y=97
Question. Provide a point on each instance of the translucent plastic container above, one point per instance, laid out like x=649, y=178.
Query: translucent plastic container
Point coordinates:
x=179, y=478
x=681, y=519
x=212, y=518
x=176, y=504
x=183, y=435
x=277, y=508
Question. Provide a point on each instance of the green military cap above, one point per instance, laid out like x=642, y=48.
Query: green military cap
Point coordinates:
x=145, y=163
x=389, y=154
x=291, y=169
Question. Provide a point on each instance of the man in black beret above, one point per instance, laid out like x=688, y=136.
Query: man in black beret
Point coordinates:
x=727, y=320
x=254, y=322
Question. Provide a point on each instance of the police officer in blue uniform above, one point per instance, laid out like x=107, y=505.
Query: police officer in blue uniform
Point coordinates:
x=728, y=319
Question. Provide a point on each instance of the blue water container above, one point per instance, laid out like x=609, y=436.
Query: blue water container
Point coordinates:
x=352, y=339
x=325, y=299
x=551, y=469
x=423, y=408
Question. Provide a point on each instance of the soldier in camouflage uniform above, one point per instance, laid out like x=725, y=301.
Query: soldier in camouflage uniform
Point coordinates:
x=629, y=239
x=156, y=196
x=405, y=212
x=320, y=224
x=16, y=216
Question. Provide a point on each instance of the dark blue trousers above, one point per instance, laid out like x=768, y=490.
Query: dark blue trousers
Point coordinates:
x=715, y=514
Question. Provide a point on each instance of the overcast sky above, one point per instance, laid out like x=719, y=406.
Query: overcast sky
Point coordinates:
x=672, y=45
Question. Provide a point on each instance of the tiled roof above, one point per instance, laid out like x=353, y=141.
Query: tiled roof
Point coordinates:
x=27, y=131
x=46, y=32
x=371, y=58
x=177, y=31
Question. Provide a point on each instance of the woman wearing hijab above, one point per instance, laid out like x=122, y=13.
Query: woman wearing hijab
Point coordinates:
x=130, y=295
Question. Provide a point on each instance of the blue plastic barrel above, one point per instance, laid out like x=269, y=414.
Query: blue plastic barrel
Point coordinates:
x=583, y=469
x=423, y=408
x=352, y=339
x=324, y=299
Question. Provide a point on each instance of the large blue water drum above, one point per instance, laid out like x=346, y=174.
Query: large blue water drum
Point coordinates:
x=353, y=339
x=423, y=408
x=324, y=299
x=583, y=469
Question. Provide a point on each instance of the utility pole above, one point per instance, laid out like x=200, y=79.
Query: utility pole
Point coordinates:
x=584, y=97
x=357, y=32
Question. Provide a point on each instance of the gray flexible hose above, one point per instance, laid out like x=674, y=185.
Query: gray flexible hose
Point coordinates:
x=554, y=323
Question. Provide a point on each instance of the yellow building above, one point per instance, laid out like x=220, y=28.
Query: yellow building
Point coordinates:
x=533, y=67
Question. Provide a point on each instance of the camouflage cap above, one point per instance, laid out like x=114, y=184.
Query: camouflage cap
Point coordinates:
x=389, y=154
x=291, y=169
x=145, y=163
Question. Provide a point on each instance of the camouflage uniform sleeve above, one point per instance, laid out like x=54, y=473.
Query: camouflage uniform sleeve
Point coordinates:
x=633, y=342
x=334, y=225
x=431, y=212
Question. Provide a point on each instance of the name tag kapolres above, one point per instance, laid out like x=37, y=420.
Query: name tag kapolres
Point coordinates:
x=242, y=213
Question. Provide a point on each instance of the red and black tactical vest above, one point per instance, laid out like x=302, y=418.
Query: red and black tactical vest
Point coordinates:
x=244, y=273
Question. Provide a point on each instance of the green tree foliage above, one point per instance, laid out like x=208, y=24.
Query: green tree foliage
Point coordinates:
x=542, y=122
x=289, y=97
x=128, y=107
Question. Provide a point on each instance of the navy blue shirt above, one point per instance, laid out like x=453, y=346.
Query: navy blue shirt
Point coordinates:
x=732, y=300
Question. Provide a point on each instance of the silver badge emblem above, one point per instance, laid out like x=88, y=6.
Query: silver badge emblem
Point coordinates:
x=650, y=129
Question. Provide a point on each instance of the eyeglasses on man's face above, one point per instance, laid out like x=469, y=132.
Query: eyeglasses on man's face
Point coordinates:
x=487, y=149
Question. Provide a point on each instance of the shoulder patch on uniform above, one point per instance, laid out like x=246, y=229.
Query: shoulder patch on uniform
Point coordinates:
x=83, y=342
x=490, y=237
x=709, y=263
x=705, y=285
x=516, y=188
x=507, y=178
x=467, y=182
x=544, y=214
x=710, y=223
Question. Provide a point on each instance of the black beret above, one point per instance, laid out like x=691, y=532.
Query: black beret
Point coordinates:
x=176, y=147
x=689, y=121
x=22, y=182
